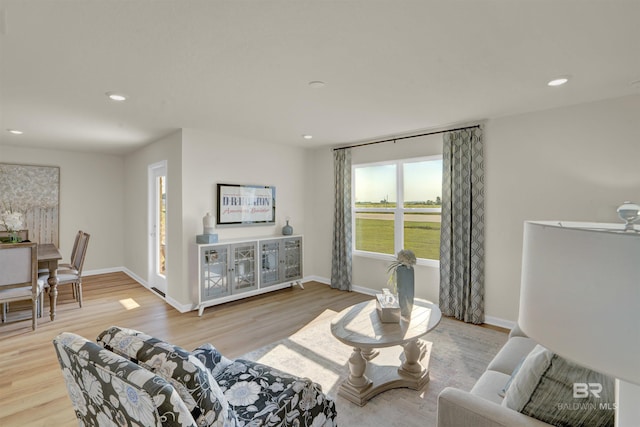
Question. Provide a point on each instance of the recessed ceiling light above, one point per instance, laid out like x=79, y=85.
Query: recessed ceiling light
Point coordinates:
x=15, y=131
x=116, y=96
x=307, y=136
x=316, y=84
x=558, y=82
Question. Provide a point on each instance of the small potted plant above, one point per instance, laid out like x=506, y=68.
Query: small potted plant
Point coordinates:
x=403, y=279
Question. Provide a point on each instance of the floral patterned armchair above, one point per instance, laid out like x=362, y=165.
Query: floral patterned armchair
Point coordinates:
x=109, y=390
x=211, y=390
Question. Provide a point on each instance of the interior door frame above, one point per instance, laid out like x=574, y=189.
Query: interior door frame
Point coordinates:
x=155, y=280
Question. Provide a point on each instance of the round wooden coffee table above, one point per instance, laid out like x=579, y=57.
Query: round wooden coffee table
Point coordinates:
x=373, y=365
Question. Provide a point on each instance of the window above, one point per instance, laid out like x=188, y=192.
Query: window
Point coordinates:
x=397, y=205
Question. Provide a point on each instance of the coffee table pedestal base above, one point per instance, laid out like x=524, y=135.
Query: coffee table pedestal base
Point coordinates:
x=371, y=376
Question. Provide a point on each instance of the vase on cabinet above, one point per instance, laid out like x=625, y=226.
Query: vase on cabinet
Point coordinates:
x=287, y=230
x=207, y=223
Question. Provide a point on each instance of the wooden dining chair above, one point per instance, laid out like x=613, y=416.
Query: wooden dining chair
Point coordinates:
x=72, y=275
x=74, y=251
x=18, y=277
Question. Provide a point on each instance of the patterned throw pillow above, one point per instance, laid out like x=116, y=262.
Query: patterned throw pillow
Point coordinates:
x=195, y=384
x=544, y=388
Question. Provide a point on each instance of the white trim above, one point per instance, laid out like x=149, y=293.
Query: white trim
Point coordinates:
x=185, y=308
x=496, y=321
x=102, y=271
x=489, y=320
x=136, y=277
x=433, y=263
x=363, y=290
x=154, y=170
x=398, y=211
x=318, y=279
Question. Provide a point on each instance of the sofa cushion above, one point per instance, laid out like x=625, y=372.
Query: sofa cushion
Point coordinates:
x=195, y=384
x=107, y=389
x=543, y=389
x=511, y=355
x=489, y=385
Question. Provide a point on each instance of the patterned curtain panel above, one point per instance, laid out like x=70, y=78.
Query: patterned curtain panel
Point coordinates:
x=462, y=238
x=341, y=261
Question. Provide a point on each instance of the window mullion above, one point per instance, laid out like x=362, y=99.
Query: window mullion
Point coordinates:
x=399, y=213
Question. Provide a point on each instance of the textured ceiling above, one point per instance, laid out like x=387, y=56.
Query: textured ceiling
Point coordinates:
x=243, y=67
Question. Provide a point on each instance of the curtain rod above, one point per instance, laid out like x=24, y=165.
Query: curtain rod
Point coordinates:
x=405, y=137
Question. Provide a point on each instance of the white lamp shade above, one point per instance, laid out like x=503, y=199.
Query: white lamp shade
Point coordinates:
x=580, y=294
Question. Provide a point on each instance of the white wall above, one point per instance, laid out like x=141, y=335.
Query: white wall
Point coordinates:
x=137, y=229
x=367, y=272
x=318, y=213
x=91, y=199
x=209, y=159
x=576, y=163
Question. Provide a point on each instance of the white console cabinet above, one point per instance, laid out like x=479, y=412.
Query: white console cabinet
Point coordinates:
x=228, y=271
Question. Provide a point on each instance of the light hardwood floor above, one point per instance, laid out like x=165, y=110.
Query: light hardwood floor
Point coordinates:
x=32, y=391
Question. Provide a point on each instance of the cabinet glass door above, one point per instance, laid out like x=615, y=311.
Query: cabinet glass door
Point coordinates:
x=292, y=259
x=214, y=272
x=270, y=262
x=244, y=267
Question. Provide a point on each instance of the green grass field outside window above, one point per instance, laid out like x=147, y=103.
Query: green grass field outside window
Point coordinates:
x=376, y=235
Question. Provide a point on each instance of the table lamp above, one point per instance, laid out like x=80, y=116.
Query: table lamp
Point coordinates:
x=580, y=298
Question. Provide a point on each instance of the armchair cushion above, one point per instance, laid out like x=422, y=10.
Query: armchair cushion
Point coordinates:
x=264, y=396
x=107, y=389
x=184, y=371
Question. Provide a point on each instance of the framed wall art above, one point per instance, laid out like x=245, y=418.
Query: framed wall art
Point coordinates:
x=34, y=192
x=245, y=205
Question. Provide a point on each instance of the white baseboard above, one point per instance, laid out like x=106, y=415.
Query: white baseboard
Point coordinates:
x=102, y=271
x=184, y=308
x=502, y=323
x=489, y=320
x=316, y=279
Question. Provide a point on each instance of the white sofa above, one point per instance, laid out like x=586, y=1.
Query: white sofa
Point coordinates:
x=481, y=407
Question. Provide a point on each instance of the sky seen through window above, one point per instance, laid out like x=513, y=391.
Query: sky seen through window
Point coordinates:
x=422, y=182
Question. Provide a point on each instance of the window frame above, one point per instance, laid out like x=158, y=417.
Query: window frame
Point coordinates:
x=399, y=211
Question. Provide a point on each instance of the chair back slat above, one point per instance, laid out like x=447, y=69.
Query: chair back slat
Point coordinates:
x=18, y=264
x=81, y=252
x=74, y=251
x=19, y=277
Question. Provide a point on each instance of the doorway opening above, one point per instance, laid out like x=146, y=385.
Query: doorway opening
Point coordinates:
x=158, y=227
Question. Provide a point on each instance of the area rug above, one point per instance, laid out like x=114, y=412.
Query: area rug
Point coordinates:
x=459, y=355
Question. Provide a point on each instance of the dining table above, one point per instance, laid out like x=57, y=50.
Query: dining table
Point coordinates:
x=48, y=257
